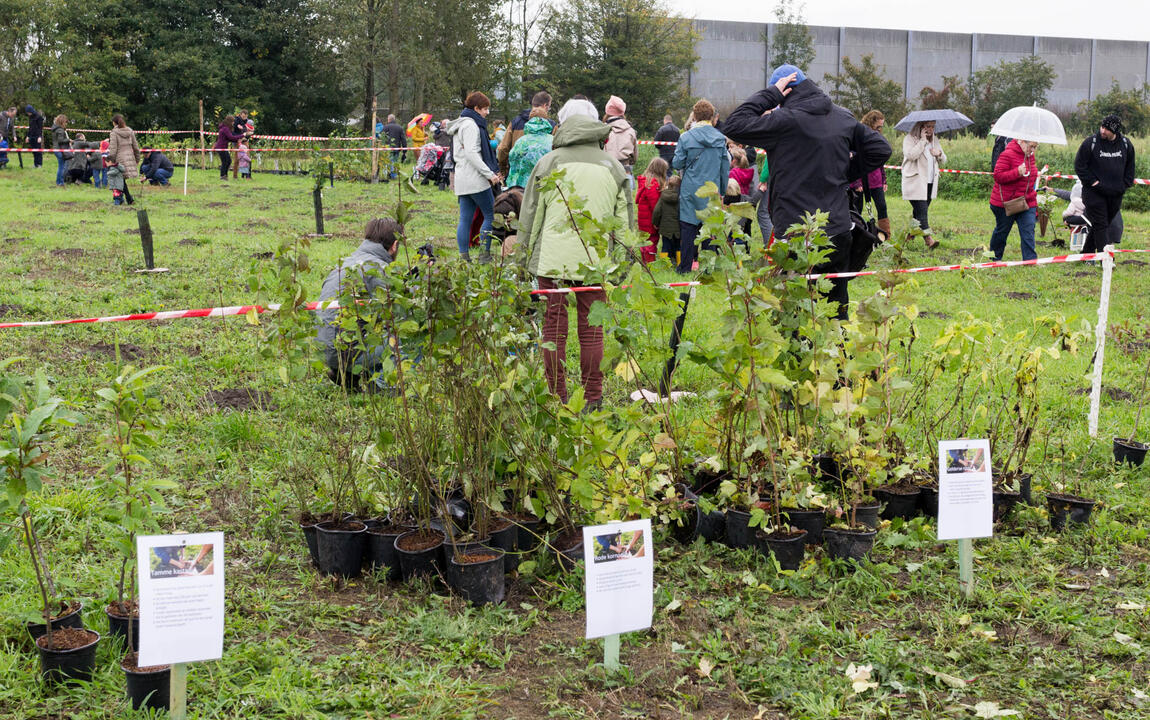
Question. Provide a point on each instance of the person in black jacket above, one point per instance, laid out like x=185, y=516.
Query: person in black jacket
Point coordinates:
x=157, y=169
x=35, y=137
x=815, y=150
x=1105, y=165
x=395, y=136
x=667, y=133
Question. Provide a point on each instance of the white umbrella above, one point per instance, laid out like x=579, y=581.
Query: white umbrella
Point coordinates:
x=1030, y=123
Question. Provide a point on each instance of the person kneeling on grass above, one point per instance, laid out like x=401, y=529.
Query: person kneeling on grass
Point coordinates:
x=350, y=364
x=157, y=169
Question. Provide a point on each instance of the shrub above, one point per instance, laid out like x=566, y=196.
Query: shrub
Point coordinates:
x=996, y=89
x=1130, y=105
x=862, y=88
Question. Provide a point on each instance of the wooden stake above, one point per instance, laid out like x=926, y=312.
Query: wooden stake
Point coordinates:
x=203, y=156
x=317, y=201
x=374, y=152
x=178, y=692
x=966, y=566
x=611, y=652
x=146, y=238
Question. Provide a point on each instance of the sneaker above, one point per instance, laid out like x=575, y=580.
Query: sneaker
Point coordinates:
x=485, y=258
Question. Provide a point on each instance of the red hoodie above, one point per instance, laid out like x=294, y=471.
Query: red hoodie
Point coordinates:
x=645, y=198
x=1008, y=184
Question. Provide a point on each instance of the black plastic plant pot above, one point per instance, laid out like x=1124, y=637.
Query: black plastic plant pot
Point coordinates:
x=381, y=551
x=147, y=687
x=848, y=544
x=478, y=577
x=897, y=502
x=813, y=521
x=74, y=663
x=1068, y=507
x=1004, y=502
x=1130, y=451
x=1007, y=484
x=341, y=546
x=825, y=470
x=787, y=547
x=118, y=628
x=309, y=537
x=569, y=549
x=739, y=534
x=526, y=534
x=711, y=526
x=928, y=500
x=1024, y=488
x=420, y=553
x=867, y=515
x=72, y=619
x=505, y=539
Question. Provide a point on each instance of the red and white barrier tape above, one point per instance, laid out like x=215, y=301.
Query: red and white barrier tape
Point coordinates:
x=233, y=310
x=253, y=149
x=302, y=138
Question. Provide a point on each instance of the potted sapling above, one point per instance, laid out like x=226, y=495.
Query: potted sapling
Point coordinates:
x=29, y=419
x=1128, y=449
x=134, y=498
x=1065, y=507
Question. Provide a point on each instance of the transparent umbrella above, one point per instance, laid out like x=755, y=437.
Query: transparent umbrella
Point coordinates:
x=944, y=119
x=1030, y=123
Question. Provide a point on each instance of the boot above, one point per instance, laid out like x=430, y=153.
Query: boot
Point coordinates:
x=931, y=243
x=664, y=256
x=884, y=227
x=485, y=258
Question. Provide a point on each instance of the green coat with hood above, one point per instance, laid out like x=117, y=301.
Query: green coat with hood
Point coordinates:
x=548, y=244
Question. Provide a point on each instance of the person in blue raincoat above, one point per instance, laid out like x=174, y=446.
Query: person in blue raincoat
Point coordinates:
x=701, y=156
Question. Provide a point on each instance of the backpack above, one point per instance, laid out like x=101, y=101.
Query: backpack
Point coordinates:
x=999, y=145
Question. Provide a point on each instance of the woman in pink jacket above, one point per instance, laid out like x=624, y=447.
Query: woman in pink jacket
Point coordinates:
x=1015, y=175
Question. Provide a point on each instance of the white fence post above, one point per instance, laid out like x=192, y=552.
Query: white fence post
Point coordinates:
x=1100, y=339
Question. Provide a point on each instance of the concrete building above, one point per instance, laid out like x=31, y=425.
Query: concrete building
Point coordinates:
x=733, y=59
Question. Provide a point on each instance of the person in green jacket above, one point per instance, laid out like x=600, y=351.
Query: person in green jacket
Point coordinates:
x=528, y=149
x=550, y=248
x=759, y=199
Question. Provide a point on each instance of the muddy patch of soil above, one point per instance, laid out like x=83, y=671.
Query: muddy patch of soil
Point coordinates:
x=1135, y=263
x=192, y=241
x=14, y=240
x=217, y=205
x=263, y=255
x=239, y=399
x=128, y=351
x=934, y=314
x=68, y=252
x=132, y=231
x=13, y=310
x=1020, y=295
x=1113, y=393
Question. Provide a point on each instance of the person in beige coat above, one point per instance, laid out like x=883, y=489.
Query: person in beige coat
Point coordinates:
x=124, y=156
x=922, y=159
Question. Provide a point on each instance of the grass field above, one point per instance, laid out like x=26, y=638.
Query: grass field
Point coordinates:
x=1058, y=626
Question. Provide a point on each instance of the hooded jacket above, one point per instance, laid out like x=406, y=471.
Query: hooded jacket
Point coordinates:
x=369, y=255
x=224, y=136
x=60, y=140
x=35, y=125
x=622, y=143
x=472, y=174
x=702, y=157
x=548, y=244
x=124, y=151
x=646, y=197
x=535, y=142
x=665, y=216
x=808, y=140
x=1008, y=184
x=1110, y=163
x=79, y=159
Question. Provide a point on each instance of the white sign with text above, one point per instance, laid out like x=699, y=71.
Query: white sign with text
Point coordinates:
x=965, y=490
x=181, y=581
x=620, y=577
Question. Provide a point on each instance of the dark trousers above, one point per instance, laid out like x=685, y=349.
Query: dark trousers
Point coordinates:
x=36, y=143
x=877, y=196
x=225, y=162
x=590, y=340
x=919, y=210
x=670, y=245
x=1100, y=209
x=838, y=262
x=687, y=252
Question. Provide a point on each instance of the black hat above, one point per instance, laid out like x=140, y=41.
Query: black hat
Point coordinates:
x=1113, y=123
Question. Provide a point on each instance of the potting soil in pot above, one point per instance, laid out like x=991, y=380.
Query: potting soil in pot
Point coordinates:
x=72, y=655
x=1063, y=507
x=147, y=686
x=478, y=577
x=569, y=547
x=66, y=617
x=900, y=501
x=787, y=547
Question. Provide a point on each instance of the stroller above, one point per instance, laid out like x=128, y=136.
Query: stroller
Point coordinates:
x=431, y=166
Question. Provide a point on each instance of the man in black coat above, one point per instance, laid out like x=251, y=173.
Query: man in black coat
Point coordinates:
x=815, y=150
x=35, y=136
x=667, y=133
x=1105, y=165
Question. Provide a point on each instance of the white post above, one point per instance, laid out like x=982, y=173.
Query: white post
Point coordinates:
x=186, y=154
x=1100, y=339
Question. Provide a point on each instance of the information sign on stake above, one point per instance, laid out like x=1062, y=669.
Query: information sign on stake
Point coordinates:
x=965, y=500
x=181, y=580
x=619, y=582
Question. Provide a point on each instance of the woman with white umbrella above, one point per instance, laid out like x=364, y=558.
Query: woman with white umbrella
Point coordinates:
x=922, y=160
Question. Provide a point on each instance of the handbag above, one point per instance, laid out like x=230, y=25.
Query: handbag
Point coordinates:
x=1013, y=206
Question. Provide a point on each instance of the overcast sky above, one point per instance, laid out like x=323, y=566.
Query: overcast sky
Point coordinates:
x=1110, y=19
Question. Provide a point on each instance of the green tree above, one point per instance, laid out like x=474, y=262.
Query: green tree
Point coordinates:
x=996, y=89
x=954, y=95
x=793, y=43
x=631, y=48
x=862, y=88
x=1130, y=105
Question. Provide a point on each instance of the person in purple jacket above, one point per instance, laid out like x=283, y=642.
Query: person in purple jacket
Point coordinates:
x=875, y=188
x=227, y=135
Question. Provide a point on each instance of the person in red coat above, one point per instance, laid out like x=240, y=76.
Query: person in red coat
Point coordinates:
x=650, y=185
x=1015, y=175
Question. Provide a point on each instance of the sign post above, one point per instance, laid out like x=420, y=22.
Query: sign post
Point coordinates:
x=181, y=581
x=619, y=582
x=965, y=500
